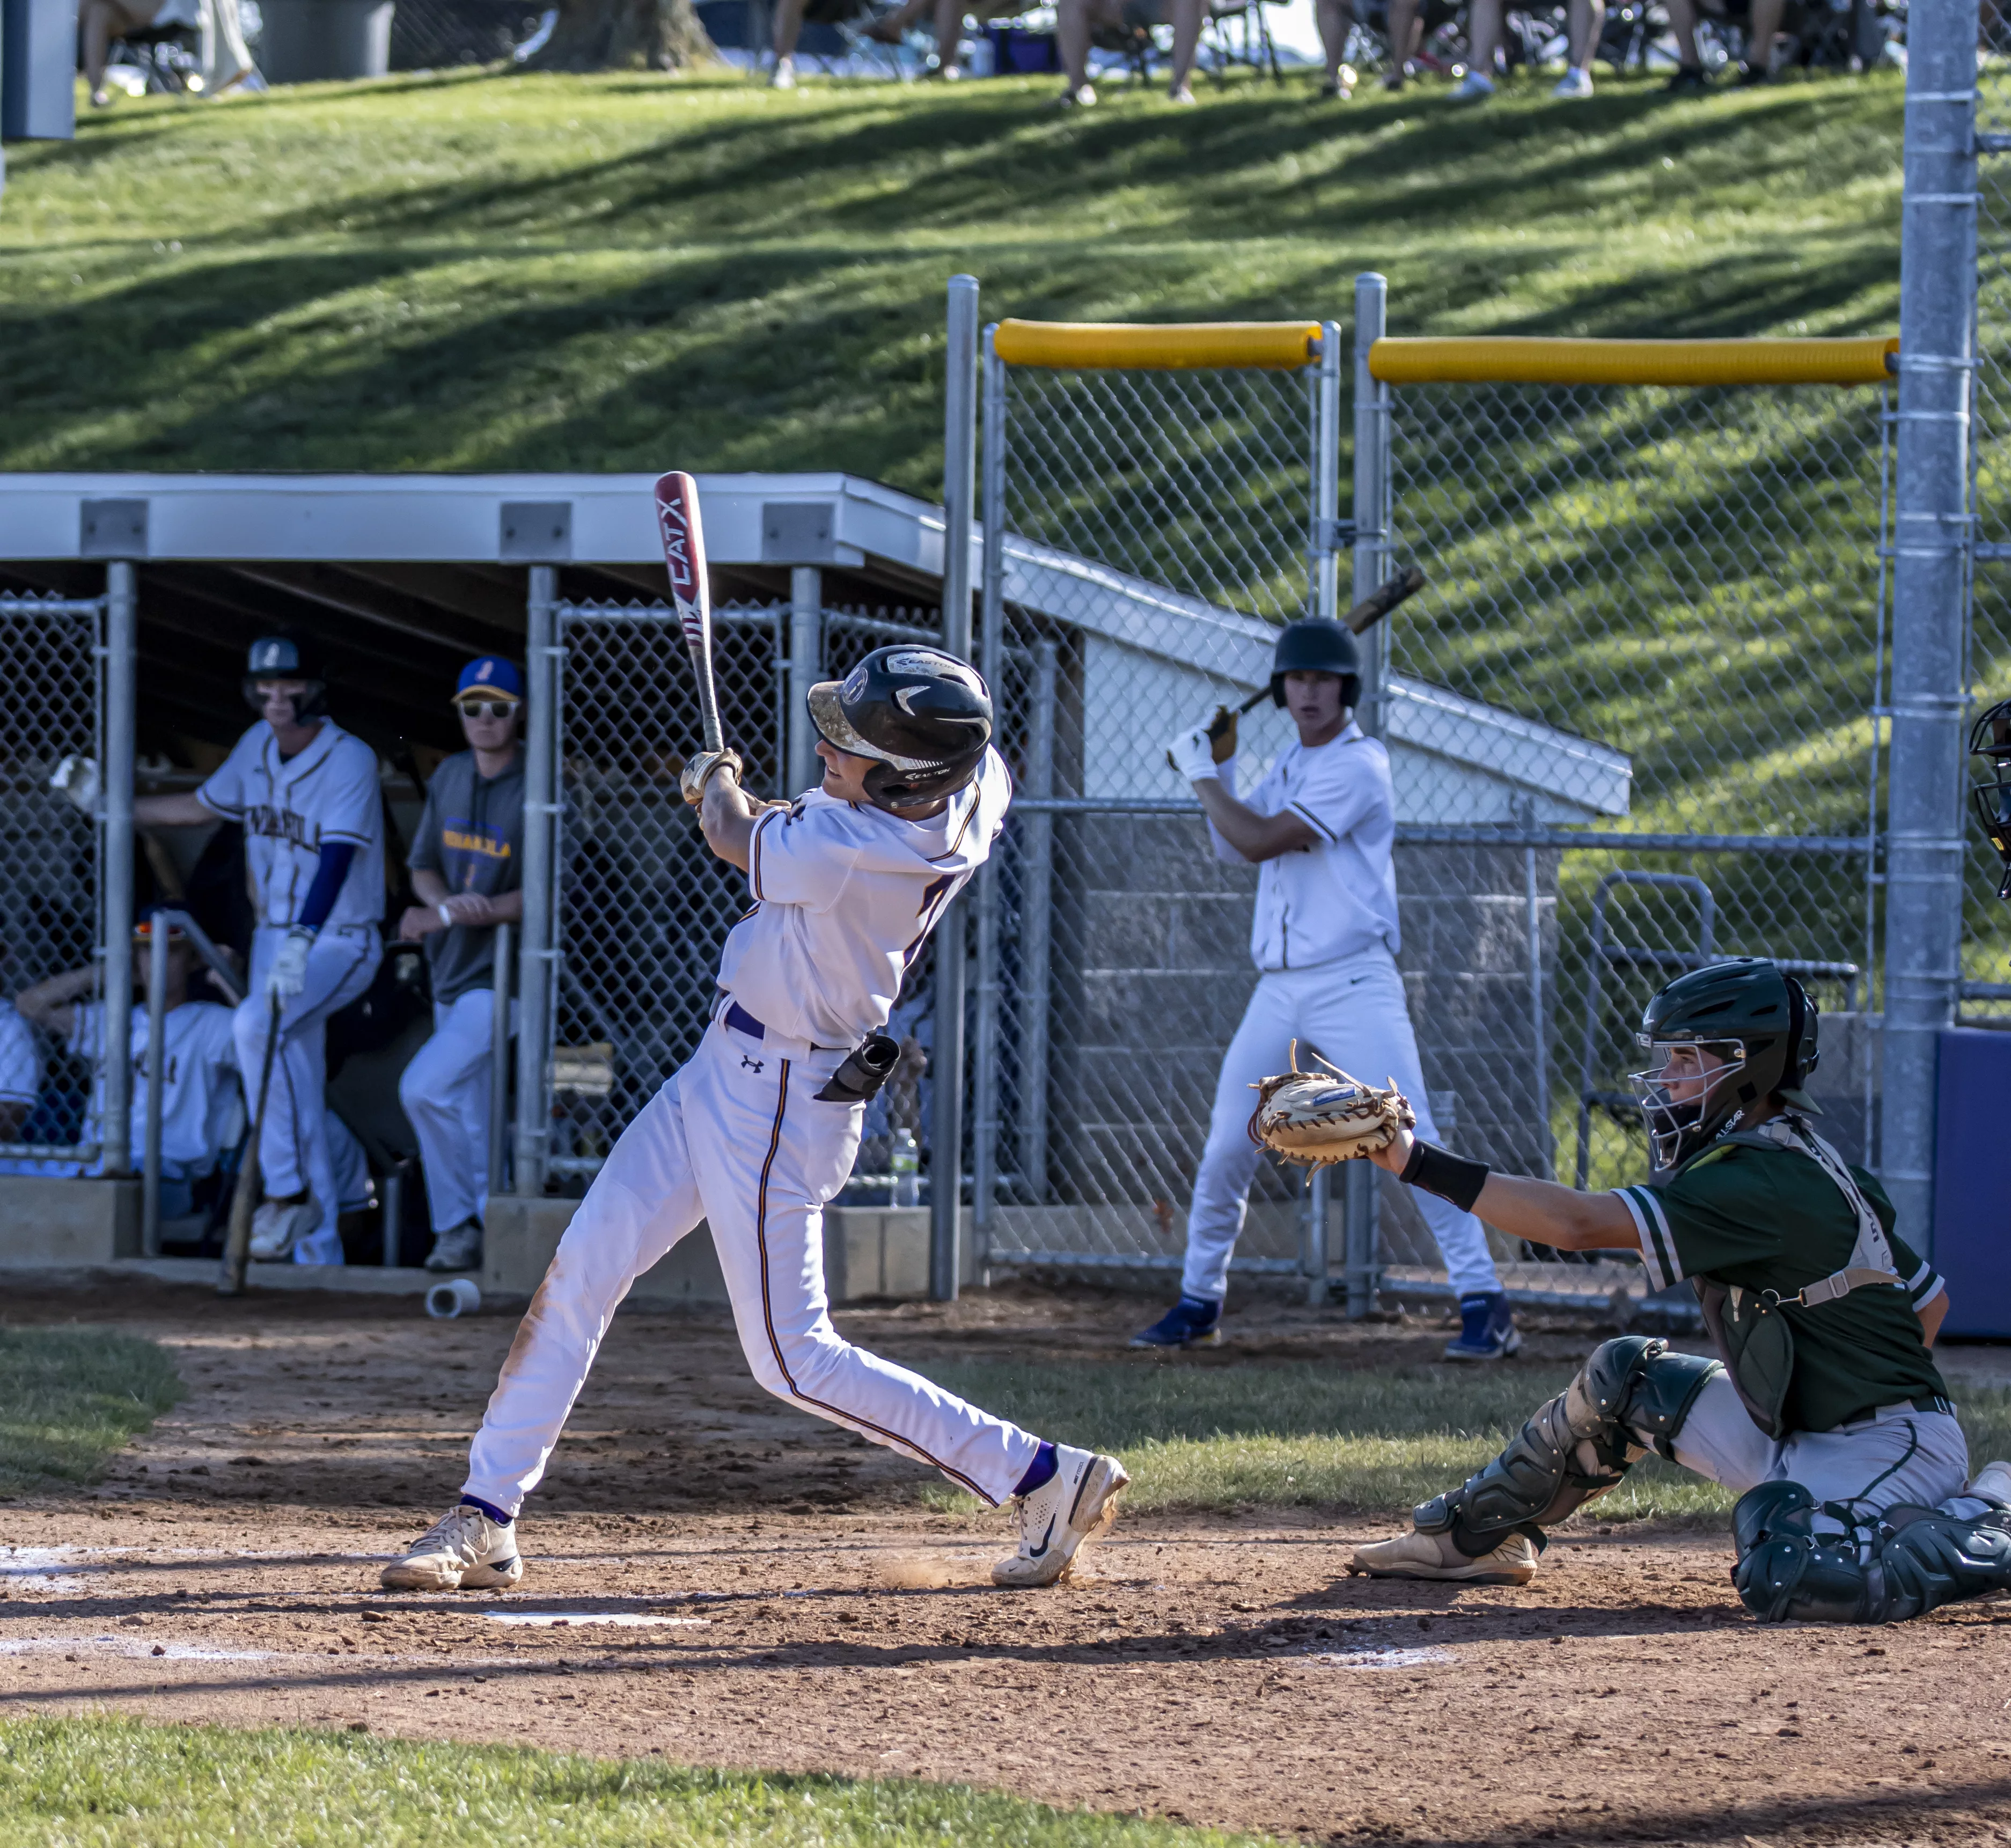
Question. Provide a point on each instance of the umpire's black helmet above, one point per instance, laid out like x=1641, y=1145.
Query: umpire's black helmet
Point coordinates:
x=285, y=656
x=924, y=715
x=1318, y=645
x=1990, y=739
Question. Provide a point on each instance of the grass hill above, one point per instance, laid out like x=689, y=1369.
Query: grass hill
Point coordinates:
x=482, y=270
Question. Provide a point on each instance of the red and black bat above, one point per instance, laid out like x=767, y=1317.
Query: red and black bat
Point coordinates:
x=691, y=590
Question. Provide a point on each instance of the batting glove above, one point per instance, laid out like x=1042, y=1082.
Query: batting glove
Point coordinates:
x=701, y=766
x=1192, y=755
x=76, y=778
x=289, y=973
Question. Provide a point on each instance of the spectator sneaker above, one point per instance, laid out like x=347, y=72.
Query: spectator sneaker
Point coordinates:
x=1082, y=97
x=463, y=1551
x=1192, y=1322
x=1340, y=86
x=1433, y=1556
x=1060, y=1517
x=1573, y=85
x=1690, y=80
x=279, y=1225
x=1750, y=75
x=1398, y=77
x=1473, y=88
x=1487, y=1329
x=1180, y=94
x=783, y=76
x=459, y=1248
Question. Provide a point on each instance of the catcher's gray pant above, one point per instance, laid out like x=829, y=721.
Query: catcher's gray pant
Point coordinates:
x=293, y=1152
x=1353, y=1012
x=739, y=1140
x=1901, y=1455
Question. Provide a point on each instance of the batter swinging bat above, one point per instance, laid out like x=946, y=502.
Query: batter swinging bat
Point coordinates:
x=244, y=1196
x=1366, y=615
x=691, y=591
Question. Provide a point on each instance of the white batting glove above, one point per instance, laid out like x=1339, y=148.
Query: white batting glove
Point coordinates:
x=289, y=973
x=701, y=766
x=76, y=778
x=1192, y=755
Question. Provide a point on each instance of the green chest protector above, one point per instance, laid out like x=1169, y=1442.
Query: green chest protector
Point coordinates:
x=1750, y=1329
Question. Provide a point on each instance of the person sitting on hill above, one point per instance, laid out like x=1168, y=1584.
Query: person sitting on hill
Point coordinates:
x=1077, y=22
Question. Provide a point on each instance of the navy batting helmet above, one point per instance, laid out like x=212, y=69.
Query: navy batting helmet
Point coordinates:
x=1317, y=645
x=284, y=656
x=923, y=716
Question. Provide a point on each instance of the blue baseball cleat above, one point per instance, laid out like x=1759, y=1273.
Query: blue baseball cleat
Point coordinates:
x=1192, y=1322
x=1487, y=1329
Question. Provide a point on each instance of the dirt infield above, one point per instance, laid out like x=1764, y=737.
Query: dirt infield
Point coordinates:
x=718, y=1579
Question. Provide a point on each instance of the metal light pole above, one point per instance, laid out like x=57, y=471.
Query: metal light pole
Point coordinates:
x=1924, y=847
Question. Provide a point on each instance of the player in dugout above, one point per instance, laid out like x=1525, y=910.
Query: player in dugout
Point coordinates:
x=468, y=871
x=1824, y=1410
x=1319, y=825
x=306, y=793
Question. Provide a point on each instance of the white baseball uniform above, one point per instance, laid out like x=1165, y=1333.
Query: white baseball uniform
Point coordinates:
x=1324, y=940
x=199, y=1093
x=845, y=896
x=290, y=808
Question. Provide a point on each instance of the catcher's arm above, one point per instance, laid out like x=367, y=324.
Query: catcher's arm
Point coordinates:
x=1539, y=1211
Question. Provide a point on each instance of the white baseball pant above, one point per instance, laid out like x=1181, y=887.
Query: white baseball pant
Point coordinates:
x=293, y=1152
x=738, y=1139
x=446, y=1090
x=1353, y=1012
x=1902, y=1454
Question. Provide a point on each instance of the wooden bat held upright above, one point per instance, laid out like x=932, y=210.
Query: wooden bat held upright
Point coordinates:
x=691, y=590
x=251, y=1181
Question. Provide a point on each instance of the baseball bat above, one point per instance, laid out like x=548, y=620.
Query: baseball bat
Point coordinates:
x=244, y=1196
x=683, y=535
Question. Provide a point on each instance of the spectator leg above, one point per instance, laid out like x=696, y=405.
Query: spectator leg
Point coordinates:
x=1403, y=23
x=1186, y=41
x=1682, y=23
x=1588, y=20
x=1766, y=29
x=1072, y=33
x=788, y=24
x=1334, y=19
x=99, y=21
x=949, y=34
x=1484, y=41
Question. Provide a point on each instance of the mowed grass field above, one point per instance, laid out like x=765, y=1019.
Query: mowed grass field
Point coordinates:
x=71, y=1398
x=477, y=270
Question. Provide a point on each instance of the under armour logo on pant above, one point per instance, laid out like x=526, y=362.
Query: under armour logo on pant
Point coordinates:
x=746, y=1063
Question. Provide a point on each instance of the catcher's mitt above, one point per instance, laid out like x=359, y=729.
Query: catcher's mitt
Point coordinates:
x=1317, y=1117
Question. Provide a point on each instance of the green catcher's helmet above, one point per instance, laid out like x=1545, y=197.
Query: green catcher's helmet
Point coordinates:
x=1720, y=1039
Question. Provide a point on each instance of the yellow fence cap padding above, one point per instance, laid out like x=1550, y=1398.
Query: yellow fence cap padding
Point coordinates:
x=1511, y=359
x=1088, y=345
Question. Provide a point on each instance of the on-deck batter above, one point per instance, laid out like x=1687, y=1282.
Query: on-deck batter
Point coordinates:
x=759, y=1130
x=1319, y=826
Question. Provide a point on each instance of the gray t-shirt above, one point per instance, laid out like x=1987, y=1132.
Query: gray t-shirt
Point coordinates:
x=472, y=836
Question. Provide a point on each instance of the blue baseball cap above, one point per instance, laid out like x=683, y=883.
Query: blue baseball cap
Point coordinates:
x=493, y=675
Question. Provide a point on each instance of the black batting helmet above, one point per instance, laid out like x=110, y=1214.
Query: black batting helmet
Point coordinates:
x=284, y=656
x=1991, y=740
x=1317, y=645
x=923, y=716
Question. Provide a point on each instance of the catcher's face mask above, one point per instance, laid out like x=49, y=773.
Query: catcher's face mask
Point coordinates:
x=1687, y=1085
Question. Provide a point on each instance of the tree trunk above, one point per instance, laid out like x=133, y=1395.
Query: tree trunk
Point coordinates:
x=621, y=34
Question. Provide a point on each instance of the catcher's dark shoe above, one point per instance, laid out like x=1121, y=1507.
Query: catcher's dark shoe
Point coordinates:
x=1487, y=1329
x=1192, y=1322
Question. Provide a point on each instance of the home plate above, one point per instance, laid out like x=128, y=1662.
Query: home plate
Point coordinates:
x=1385, y=1658
x=621, y=1619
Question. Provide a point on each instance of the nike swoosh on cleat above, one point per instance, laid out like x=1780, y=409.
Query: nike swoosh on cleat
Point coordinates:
x=1036, y=1552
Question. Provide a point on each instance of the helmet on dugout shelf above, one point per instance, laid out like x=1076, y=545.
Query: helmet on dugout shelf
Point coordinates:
x=1991, y=739
x=1746, y=1013
x=924, y=716
x=284, y=656
x=1317, y=645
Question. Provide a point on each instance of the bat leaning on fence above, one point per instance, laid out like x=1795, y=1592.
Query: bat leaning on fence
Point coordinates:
x=251, y=1181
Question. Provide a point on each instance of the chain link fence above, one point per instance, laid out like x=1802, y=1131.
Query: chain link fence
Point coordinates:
x=1630, y=723
x=52, y=888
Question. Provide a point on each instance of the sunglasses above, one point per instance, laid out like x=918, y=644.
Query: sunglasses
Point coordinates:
x=485, y=709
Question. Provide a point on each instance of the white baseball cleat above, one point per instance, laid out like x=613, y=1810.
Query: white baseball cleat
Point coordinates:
x=1416, y=1555
x=463, y=1551
x=1064, y=1515
x=279, y=1225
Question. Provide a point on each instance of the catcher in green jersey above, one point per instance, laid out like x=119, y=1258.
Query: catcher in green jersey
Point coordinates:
x=1824, y=1410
